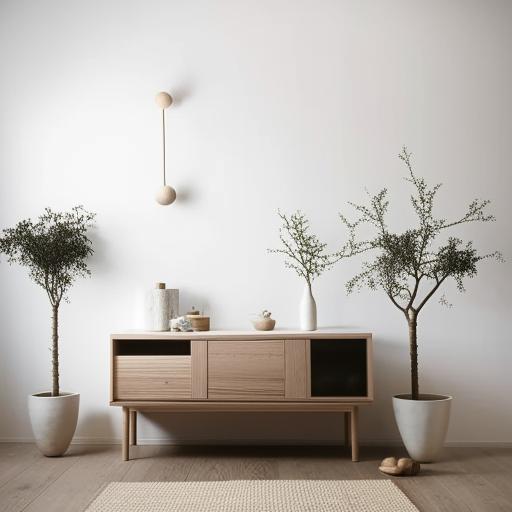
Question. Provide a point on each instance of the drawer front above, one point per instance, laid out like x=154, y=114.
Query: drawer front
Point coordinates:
x=246, y=370
x=152, y=378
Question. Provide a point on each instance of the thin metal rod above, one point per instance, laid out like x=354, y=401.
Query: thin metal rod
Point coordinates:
x=163, y=140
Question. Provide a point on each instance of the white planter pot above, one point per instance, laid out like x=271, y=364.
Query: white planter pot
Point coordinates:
x=422, y=424
x=307, y=310
x=53, y=420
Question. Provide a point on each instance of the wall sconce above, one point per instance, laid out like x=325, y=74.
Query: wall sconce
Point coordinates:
x=166, y=195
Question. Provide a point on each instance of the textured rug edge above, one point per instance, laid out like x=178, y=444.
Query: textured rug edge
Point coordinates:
x=383, y=485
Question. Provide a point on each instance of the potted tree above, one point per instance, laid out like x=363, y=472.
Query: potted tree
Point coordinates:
x=305, y=254
x=54, y=249
x=411, y=267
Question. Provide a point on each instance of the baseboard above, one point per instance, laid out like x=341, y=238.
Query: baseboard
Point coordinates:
x=258, y=442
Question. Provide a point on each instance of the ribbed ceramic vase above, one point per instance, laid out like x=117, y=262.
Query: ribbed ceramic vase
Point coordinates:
x=307, y=310
x=160, y=308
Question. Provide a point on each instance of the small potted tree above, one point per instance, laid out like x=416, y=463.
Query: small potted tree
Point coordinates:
x=411, y=267
x=306, y=255
x=54, y=249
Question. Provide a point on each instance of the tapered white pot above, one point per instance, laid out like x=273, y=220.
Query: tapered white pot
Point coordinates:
x=53, y=420
x=423, y=424
x=307, y=310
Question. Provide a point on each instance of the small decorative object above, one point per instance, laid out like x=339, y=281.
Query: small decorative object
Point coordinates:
x=263, y=321
x=410, y=267
x=199, y=322
x=402, y=467
x=55, y=249
x=166, y=195
x=193, y=312
x=162, y=305
x=305, y=254
x=180, y=324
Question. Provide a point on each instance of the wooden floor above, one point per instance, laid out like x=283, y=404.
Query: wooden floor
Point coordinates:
x=468, y=479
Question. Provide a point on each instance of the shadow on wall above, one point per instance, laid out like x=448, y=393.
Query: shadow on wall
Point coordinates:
x=180, y=93
x=189, y=299
x=391, y=376
x=98, y=262
x=242, y=428
x=95, y=426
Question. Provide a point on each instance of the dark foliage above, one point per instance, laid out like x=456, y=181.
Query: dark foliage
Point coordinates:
x=303, y=251
x=411, y=266
x=55, y=249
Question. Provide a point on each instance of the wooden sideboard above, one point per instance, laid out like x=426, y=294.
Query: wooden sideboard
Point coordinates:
x=237, y=371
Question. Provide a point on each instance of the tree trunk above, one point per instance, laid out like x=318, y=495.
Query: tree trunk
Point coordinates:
x=55, y=350
x=413, y=348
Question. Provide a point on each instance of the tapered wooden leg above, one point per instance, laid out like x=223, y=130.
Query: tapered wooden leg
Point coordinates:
x=126, y=433
x=354, y=434
x=347, y=428
x=133, y=427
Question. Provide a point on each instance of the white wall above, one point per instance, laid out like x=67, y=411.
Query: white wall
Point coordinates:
x=279, y=104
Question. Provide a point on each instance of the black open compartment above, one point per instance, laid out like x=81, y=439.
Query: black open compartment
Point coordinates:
x=338, y=368
x=153, y=347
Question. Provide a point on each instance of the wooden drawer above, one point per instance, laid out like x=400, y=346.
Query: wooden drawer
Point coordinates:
x=152, y=378
x=246, y=370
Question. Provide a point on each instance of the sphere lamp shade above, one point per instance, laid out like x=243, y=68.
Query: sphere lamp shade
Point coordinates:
x=166, y=194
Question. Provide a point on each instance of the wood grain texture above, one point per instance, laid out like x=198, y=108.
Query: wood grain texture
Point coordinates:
x=152, y=377
x=354, y=434
x=199, y=351
x=466, y=479
x=73, y=490
x=125, y=444
x=369, y=366
x=238, y=370
x=28, y=483
x=295, y=369
x=276, y=334
x=234, y=406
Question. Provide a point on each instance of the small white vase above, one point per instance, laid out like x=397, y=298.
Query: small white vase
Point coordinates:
x=53, y=420
x=423, y=424
x=307, y=310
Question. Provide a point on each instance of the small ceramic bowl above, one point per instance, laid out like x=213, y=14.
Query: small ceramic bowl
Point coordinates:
x=264, y=324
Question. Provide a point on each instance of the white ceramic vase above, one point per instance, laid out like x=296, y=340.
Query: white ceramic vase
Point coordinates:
x=53, y=420
x=423, y=424
x=307, y=310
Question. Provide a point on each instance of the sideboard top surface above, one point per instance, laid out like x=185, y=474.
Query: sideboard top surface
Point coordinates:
x=241, y=335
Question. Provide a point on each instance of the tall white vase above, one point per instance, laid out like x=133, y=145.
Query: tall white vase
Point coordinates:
x=307, y=310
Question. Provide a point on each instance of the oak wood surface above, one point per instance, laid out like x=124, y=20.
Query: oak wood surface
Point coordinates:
x=125, y=444
x=152, y=377
x=234, y=406
x=199, y=352
x=276, y=334
x=354, y=434
x=295, y=369
x=466, y=479
x=238, y=370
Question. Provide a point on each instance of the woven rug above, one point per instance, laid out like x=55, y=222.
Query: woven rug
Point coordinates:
x=254, y=496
